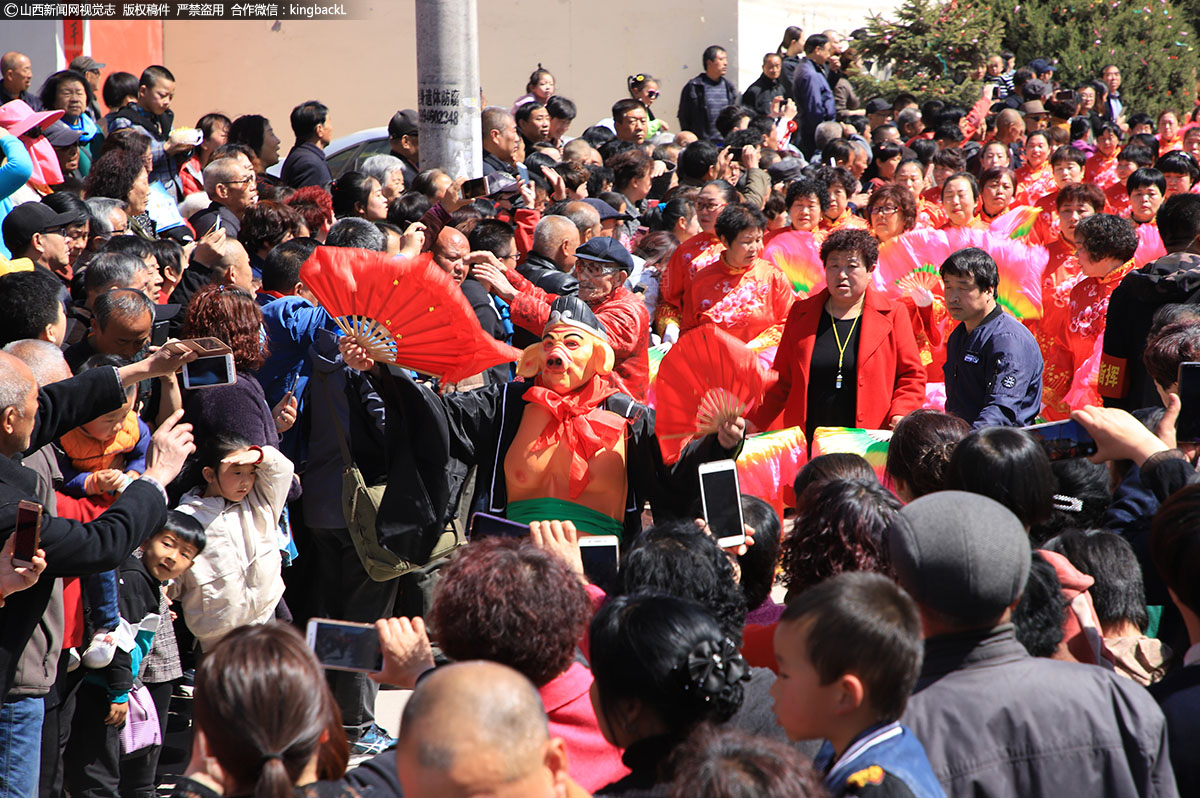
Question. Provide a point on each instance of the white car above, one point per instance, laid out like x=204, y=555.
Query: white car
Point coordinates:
x=347, y=153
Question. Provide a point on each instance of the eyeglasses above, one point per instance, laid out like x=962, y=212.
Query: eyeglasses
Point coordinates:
x=510, y=256
x=237, y=182
x=884, y=210
x=709, y=205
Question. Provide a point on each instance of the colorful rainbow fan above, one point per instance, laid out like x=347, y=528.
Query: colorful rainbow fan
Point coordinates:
x=924, y=277
x=1015, y=223
x=707, y=379
x=870, y=444
x=1020, y=264
x=656, y=356
x=769, y=464
x=410, y=313
x=796, y=253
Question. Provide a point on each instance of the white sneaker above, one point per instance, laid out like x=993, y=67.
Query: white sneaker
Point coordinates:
x=72, y=660
x=100, y=651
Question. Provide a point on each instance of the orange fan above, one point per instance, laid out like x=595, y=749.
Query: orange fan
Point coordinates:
x=410, y=313
x=707, y=379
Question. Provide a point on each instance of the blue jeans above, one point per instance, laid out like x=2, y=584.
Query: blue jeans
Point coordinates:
x=20, y=747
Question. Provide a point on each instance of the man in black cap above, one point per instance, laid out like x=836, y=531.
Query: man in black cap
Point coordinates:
x=402, y=137
x=879, y=112
x=36, y=236
x=65, y=141
x=610, y=217
x=602, y=266
x=994, y=720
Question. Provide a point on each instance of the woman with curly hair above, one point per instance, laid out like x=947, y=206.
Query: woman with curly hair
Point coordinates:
x=231, y=315
x=840, y=526
x=122, y=175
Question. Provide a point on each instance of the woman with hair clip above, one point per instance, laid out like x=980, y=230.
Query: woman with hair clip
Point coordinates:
x=266, y=724
x=662, y=666
x=644, y=88
x=791, y=48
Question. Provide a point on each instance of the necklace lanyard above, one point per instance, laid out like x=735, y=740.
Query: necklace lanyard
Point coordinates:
x=837, y=386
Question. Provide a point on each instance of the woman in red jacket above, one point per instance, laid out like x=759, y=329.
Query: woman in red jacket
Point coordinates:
x=848, y=357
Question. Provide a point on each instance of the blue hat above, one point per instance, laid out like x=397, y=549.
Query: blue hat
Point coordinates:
x=1041, y=65
x=606, y=211
x=606, y=250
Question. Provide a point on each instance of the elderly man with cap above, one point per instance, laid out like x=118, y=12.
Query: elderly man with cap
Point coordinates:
x=36, y=236
x=994, y=720
x=402, y=138
x=601, y=268
x=90, y=69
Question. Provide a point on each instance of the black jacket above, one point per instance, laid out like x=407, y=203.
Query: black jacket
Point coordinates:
x=490, y=321
x=1172, y=279
x=759, y=94
x=483, y=424
x=304, y=166
x=693, y=111
x=545, y=274
x=72, y=548
x=137, y=597
x=1179, y=697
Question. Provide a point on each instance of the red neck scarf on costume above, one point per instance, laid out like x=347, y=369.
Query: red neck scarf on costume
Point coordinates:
x=579, y=423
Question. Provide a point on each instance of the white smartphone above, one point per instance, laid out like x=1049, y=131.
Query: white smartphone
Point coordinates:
x=722, y=502
x=600, y=554
x=209, y=372
x=345, y=646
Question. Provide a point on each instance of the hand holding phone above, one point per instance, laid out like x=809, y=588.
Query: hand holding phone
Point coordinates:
x=1063, y=439
x=1187, y=426
x=209, y=372
x=484, y=525
x=407, y=652
x=28, y=534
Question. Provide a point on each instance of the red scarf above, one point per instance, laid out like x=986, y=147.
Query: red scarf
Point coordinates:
x=579, y=423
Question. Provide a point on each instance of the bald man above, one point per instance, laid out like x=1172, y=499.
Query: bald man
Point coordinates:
x=17, y=75
x=449, y=250
x=234, y=266
x=478, y=728
x=550, y=262
x=586, y=219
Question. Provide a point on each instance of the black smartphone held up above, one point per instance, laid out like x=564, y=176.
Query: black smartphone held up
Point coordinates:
x=722, y=502
x=1187, y=427
x=1063, y=439
x=28, y=533
x=159, y=332
x=493, y=526
x=600, y=554
x=209, y=372
x=345, y=646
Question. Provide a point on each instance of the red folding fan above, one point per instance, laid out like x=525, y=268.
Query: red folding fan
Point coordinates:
x=707, y=379
x=410, y=313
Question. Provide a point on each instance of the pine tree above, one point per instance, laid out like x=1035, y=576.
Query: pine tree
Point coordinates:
x=929, y=48
x=1153, y=45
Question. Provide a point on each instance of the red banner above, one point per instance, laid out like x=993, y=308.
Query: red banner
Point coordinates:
x=72, y=39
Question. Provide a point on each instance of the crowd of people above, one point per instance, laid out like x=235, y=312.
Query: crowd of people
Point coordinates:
x=985, y=614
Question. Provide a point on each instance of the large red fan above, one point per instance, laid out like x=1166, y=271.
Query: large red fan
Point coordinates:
x=410, y=313
x=707, y=379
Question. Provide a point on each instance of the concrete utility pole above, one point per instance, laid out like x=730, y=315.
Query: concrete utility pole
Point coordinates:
x=448, y=86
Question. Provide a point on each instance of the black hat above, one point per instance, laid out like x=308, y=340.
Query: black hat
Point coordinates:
x=29, y=218
x=574, y=311
x=877, y=105
x=606, y=211
x=85, y=64
x=603, y=249
x=786, y=170
x=404, y=123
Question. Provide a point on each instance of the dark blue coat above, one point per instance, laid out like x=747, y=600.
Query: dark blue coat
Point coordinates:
x=994, y=373
x=305, y=166
x=814, y=101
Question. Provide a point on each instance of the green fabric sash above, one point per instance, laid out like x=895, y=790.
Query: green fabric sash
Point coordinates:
x=586, y=520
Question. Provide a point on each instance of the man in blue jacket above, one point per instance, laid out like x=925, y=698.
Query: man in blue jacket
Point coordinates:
x=706, y=95
x=993, y=364
x=811, y=91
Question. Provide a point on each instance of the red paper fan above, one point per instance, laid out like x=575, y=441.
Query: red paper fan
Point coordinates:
x=920, y=278
x=410, y=313
x=708, y=378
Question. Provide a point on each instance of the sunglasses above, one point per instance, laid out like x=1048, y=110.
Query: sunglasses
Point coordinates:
x=652, y=94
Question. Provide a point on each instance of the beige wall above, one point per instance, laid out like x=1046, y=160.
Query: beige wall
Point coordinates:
x=366, y=69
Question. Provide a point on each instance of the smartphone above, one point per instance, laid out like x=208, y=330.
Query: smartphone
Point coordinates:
x=600, y=554
x=722, y=502
x=209, y=372
x=159, y=332
x=493, y=526
x=345, y=646
x=1187, y=427
x=473, y=189
x=1063, y=439
x=1064, y=95
x=28, y=533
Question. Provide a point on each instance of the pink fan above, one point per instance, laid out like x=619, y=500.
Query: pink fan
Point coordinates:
x=1150, y=245
x=796, y=253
